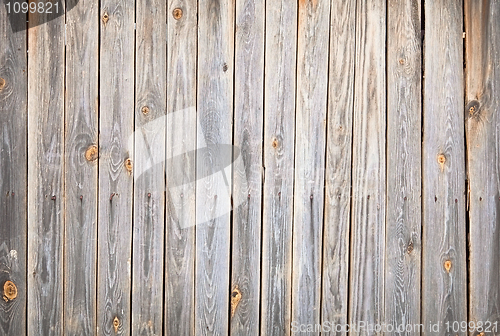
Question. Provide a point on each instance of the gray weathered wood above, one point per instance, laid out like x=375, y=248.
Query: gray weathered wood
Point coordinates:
x=247, y=183
x=45, y=176
x=444, y=286
x=80, y=166
x=279, y=135
x=310, y=142
x=149, y=177
x=180, y=168
x=13, y=177
x=334, y=298
x=482, y=25
x=366, y=291
x=116, y=126
x=404, y=161
x=213, y=177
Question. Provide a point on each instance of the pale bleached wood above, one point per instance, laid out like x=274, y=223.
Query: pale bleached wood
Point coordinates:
x=404, y=161
x=214, y=112
x=45, y=175
x=180, y=168
x=116, y=127
x=247, y=183
x=444, y=285
x=310, y=142
x=334, y=300
x=149, y=163
x=279, y=135
x=366, y=291
x=13, y=175
x=80, y=166
x=482, y=27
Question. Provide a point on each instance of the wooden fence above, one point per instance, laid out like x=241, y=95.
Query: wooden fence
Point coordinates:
x=368, y=130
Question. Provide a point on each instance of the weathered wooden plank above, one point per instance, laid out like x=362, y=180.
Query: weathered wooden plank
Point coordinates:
x=213, y=204
x=334, y=300
x=444, y=286
x=247, y=175
x=482, y=26
x=80, y=166
x=404, y=161
x=13, y=177
x=180, y=168
x=366, y=291
x=312, y=85
x=149, y=168
x=279, y=148
x=45, y=175
x=116, y=125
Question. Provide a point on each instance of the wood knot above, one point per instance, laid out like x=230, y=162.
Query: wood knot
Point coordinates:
x=275, y=143
x=105, y=17
x=145, y=110
x=91, y=153
x=224, y=67
x=410, y=247
x=472, y=108
x=401, y=61
x=177, y=13
x=128, y=165
x=116, y=324
x=235, y=299
x=9, y=291
x=2, y=83
x=447, y=265
x=441, y=160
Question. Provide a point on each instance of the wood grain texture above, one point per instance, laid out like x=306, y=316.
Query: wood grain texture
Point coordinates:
x=180, y=169
x=482, y=110
x=366, y=291
x=334, y=300
x=45, y=176
x=404, y=161
x=444, y=286
x=247, y=156
x=116, y=126
x=81, y=108
x=279, y=148
x=310, y=142
x=213, y=179
x=149, y=168
x=13, y=175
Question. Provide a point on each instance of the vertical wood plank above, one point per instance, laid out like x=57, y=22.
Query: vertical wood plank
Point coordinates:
x=247, y=183
x=215, y=111
x=116, y=125
x=279, y=148
x=180, y=167
x=444, y=286
x=482, y=110
x=149, y=168
x=334, y=299
x=80, y=165
x=45, y=175
x=404, y=121
x=13, y=177
x=312, y=84
x=369, y=166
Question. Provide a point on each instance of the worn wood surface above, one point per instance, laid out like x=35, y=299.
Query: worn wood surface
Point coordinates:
x=310, y=139
x=444, y=291
x=334, y=299
x=45, y=176
x=279, y=142
x=213, y=177
x=366, y=291
x=482, y=27
x=13, y=177
x=116, y=127
x=404, y=109
x=247, y=163
x=80, y=166
x=180, y=168
x=149, y=171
